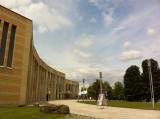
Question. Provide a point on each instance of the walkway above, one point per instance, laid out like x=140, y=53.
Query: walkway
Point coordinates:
x=108, y=113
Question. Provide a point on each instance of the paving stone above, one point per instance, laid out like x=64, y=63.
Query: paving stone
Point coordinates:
x=86, y=111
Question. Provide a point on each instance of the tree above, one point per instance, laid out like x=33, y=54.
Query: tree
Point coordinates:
x=108, y=89
x=132, y=84
x=118, y=91
x=94, y=89
x=146, y=82
x=157, y=86
x=83, y=89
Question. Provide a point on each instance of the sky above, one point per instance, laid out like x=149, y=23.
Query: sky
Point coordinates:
x=84, y=37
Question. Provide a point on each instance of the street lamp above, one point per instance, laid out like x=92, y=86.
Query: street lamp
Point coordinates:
x=151, y=83
x=100, y=73
x=78, y=94
x=83, y=89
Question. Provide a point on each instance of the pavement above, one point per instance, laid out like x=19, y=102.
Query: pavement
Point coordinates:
x=94, y=112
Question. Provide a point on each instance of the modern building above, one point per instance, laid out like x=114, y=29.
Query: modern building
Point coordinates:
x=24, y=76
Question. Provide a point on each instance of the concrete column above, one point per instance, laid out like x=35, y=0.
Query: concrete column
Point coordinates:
x=61, y=88
x=31, y=81
x=34, y=82
x=64, y=89
x=51, y=95
x=43, y=85
x=49, y=84
x=57, y=87
x=46, y=83
x=37, y=81
x=73, y=90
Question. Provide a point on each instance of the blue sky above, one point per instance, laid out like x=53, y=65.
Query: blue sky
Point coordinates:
x=84, y=37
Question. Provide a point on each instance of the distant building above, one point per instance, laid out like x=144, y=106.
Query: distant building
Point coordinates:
x=24, y=76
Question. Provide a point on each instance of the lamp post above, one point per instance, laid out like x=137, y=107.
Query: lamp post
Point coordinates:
x=78, y=94
x=100, y=73
x=151, y=83
x=83, y=89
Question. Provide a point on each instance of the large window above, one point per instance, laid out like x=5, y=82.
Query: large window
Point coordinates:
x=3, y=43
x=11, y=46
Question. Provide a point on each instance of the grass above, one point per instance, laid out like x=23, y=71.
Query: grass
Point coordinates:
x=26, y=113
x=125, y=104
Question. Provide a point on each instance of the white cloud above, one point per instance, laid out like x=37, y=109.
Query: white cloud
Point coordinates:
x=43, y=16
x=91, y=74
x=107, y=7
x=96, y=3
x=127, y=45
x=151, y=31
x=93, y=20
x=82, y=54
x=42, y=29
x=85, y=41
x=82, y=49
x=108, y=18
x=63, y=6
x=131, y=24
x=79, y=17
x=14, y=3
x=130, y=55
x=93, y=65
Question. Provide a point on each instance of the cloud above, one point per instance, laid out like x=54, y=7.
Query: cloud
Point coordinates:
x=14, y=3
x=108, y=18
x=63, y=6
x=133, y=26
x=130, y=55
x=82, y=54
x=79, y=17
x=42, y=29
x=44, y=17
x=107, y=9
x=91, y=74
x=85, y=41
x=127, y=45
x=93, y=20
x=96, y=3
x=151, y=31
x=94, y=65
x=81, y=48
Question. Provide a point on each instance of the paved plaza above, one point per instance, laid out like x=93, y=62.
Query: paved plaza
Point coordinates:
x=107, y=113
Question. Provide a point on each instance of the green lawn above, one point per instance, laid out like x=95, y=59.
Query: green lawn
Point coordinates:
x=125, y=104
x=25, y=113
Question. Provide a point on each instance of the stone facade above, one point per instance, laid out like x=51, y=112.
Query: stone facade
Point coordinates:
x=24, y=76
x=71, y=88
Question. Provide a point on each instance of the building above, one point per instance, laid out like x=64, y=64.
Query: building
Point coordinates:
x=24, y=76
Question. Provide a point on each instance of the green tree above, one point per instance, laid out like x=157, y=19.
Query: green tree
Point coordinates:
x=106, y=87
x=146, y=82
x=132, y=84
x=94, y=89
x=83, y=89
x=118, y=91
